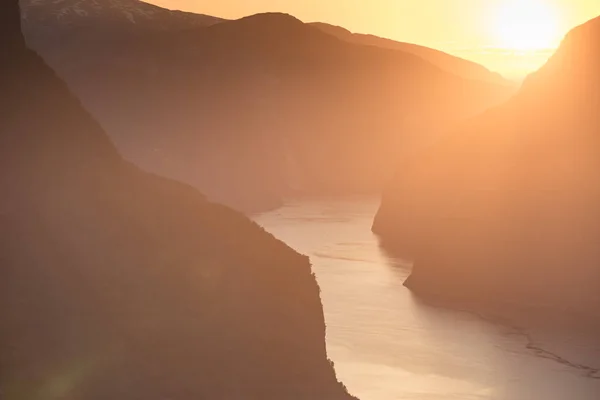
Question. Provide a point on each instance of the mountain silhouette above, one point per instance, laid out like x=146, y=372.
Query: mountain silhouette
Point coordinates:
x=505, y=210
x=119, y=284
x=258, y=108
x=455, y=65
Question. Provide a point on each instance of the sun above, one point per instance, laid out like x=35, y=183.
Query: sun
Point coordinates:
x=526, y=25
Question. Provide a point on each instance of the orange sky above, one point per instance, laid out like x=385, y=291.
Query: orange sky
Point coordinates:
x=512, y=37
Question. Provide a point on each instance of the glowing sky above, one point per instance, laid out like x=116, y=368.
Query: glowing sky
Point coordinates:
x=512, y=37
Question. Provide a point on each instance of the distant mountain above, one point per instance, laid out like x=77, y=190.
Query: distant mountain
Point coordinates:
x=455, y=65
x=56, y=15
x=505, y=211
x=255, y=109
x=118, y=284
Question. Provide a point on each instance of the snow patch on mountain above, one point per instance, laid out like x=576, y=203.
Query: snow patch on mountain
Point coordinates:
x=115, y=11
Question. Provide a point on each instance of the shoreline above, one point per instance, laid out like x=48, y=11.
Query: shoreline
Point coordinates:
x=515, y=320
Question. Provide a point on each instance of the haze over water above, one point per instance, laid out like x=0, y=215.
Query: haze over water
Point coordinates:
x=387, y=345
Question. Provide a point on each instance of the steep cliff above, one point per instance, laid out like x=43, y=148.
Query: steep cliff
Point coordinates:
x=254, y=109
x=505, y=210
x=118, y=284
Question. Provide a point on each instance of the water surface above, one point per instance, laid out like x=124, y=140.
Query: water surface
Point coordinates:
x=387, y=345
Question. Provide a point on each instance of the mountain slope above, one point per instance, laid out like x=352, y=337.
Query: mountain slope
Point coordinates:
x=254, y=109
x=118, y=284
x=455, y=65
x=506, y=210
x=109, y=14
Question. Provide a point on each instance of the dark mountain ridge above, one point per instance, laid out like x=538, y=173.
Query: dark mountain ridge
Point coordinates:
x=453, y=64
x=119, y=284
x=252, y=110
x=504, y=212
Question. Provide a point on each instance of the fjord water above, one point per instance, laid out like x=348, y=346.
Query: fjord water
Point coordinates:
x=386, y=344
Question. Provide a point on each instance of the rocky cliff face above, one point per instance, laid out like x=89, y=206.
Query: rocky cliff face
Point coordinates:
x=506, y=209
x=254, y=109
x=115, y=283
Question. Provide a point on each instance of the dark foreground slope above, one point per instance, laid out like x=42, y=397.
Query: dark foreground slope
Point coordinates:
x=507, y=210
x=254, y=109
x=117, y=284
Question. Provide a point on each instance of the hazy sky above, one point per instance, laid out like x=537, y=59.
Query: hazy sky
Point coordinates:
x=512, y=37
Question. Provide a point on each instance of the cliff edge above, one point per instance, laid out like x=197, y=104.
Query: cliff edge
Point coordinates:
x=116, y=283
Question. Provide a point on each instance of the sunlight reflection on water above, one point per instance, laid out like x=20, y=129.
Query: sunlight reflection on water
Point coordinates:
x=386, y=344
